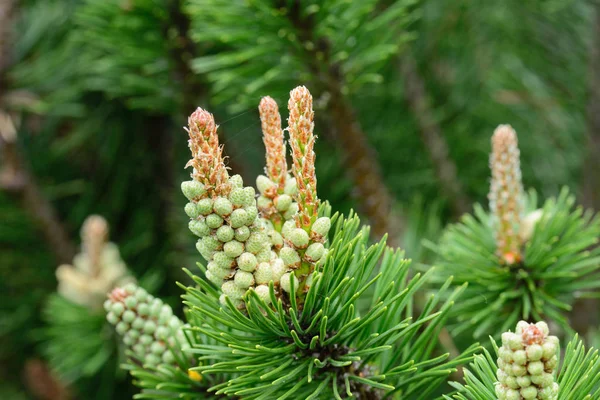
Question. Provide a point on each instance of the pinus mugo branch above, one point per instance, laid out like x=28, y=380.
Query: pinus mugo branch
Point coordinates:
x=521, y=262
x=296, y=305
x=527, y=368
x=74, y=314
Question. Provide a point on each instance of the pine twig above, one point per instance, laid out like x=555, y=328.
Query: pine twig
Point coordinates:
x=590, y=196
x=361, y=165
x=432, y=136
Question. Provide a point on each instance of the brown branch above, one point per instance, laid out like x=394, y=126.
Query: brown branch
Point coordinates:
x=359, y=157
x=17, y=179
x=583, y=316
x=361, y=165
x=15, y=175
x=432, y=136
x=591, y=168
x=42, y=383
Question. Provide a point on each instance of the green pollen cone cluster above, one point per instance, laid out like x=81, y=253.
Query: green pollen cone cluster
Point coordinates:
x=276, y=207
x=526, y=363
x=249, y=243
x=147, y=325
x=302, y=249
x=233, y=239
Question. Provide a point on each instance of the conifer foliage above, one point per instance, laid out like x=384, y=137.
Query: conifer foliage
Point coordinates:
x=520, y=261
x=527, y=367
x=295, y=305
x=74, y=313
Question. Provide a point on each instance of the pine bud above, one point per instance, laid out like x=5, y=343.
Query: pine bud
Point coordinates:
x=290, y=187
x=223, y=206
x=528, y=225
x=243, y=279
x=247, y=262
x=199, y=228
x=249, y=196
x=264, y=255
x=214, y=278
x=96, y=269
x=238, y=218
x=216, y=271
x=264, y=293
x=274, y=144
x=263, y=273
x=276, y=239
x=192, y=189
x=299, y=238
x=242, y=233
x=206, y=253
x=233, y=249
x=214, y=221
x=264, y=203
x=256, y=242
x=265, y=186
x=283, y=202
x=314, y=252
x=251, y=215
x=237, y=197
x=211, y=243
x=225, y=233
x=222, y=260
x=207, y=158
x=289, y=257
x=302, y=141
x=285, y=281
x=230, y=289
x=291, y=211
x=321, y=227
x=278, y=268
x=205, y=206
x=287, y=227
x=236, y=181
x=149, y=337
x=529, y=393
x=191, y=210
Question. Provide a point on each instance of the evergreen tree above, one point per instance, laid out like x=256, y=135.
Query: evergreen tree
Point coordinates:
x=93, y=94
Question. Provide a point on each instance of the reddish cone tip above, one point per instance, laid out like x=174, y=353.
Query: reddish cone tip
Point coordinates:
x=118, y=295
x=532, y=334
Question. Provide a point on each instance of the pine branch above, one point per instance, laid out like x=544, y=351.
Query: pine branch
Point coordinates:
x=17, y=178
x=591, y=168
x=15, y=175
x=360, y=158
x=432, y=136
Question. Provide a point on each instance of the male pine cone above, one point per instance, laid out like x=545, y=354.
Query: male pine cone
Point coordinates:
x=147, y=325
x=526, y=364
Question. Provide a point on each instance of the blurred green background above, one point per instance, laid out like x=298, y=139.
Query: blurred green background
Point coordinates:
x=94, y=95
